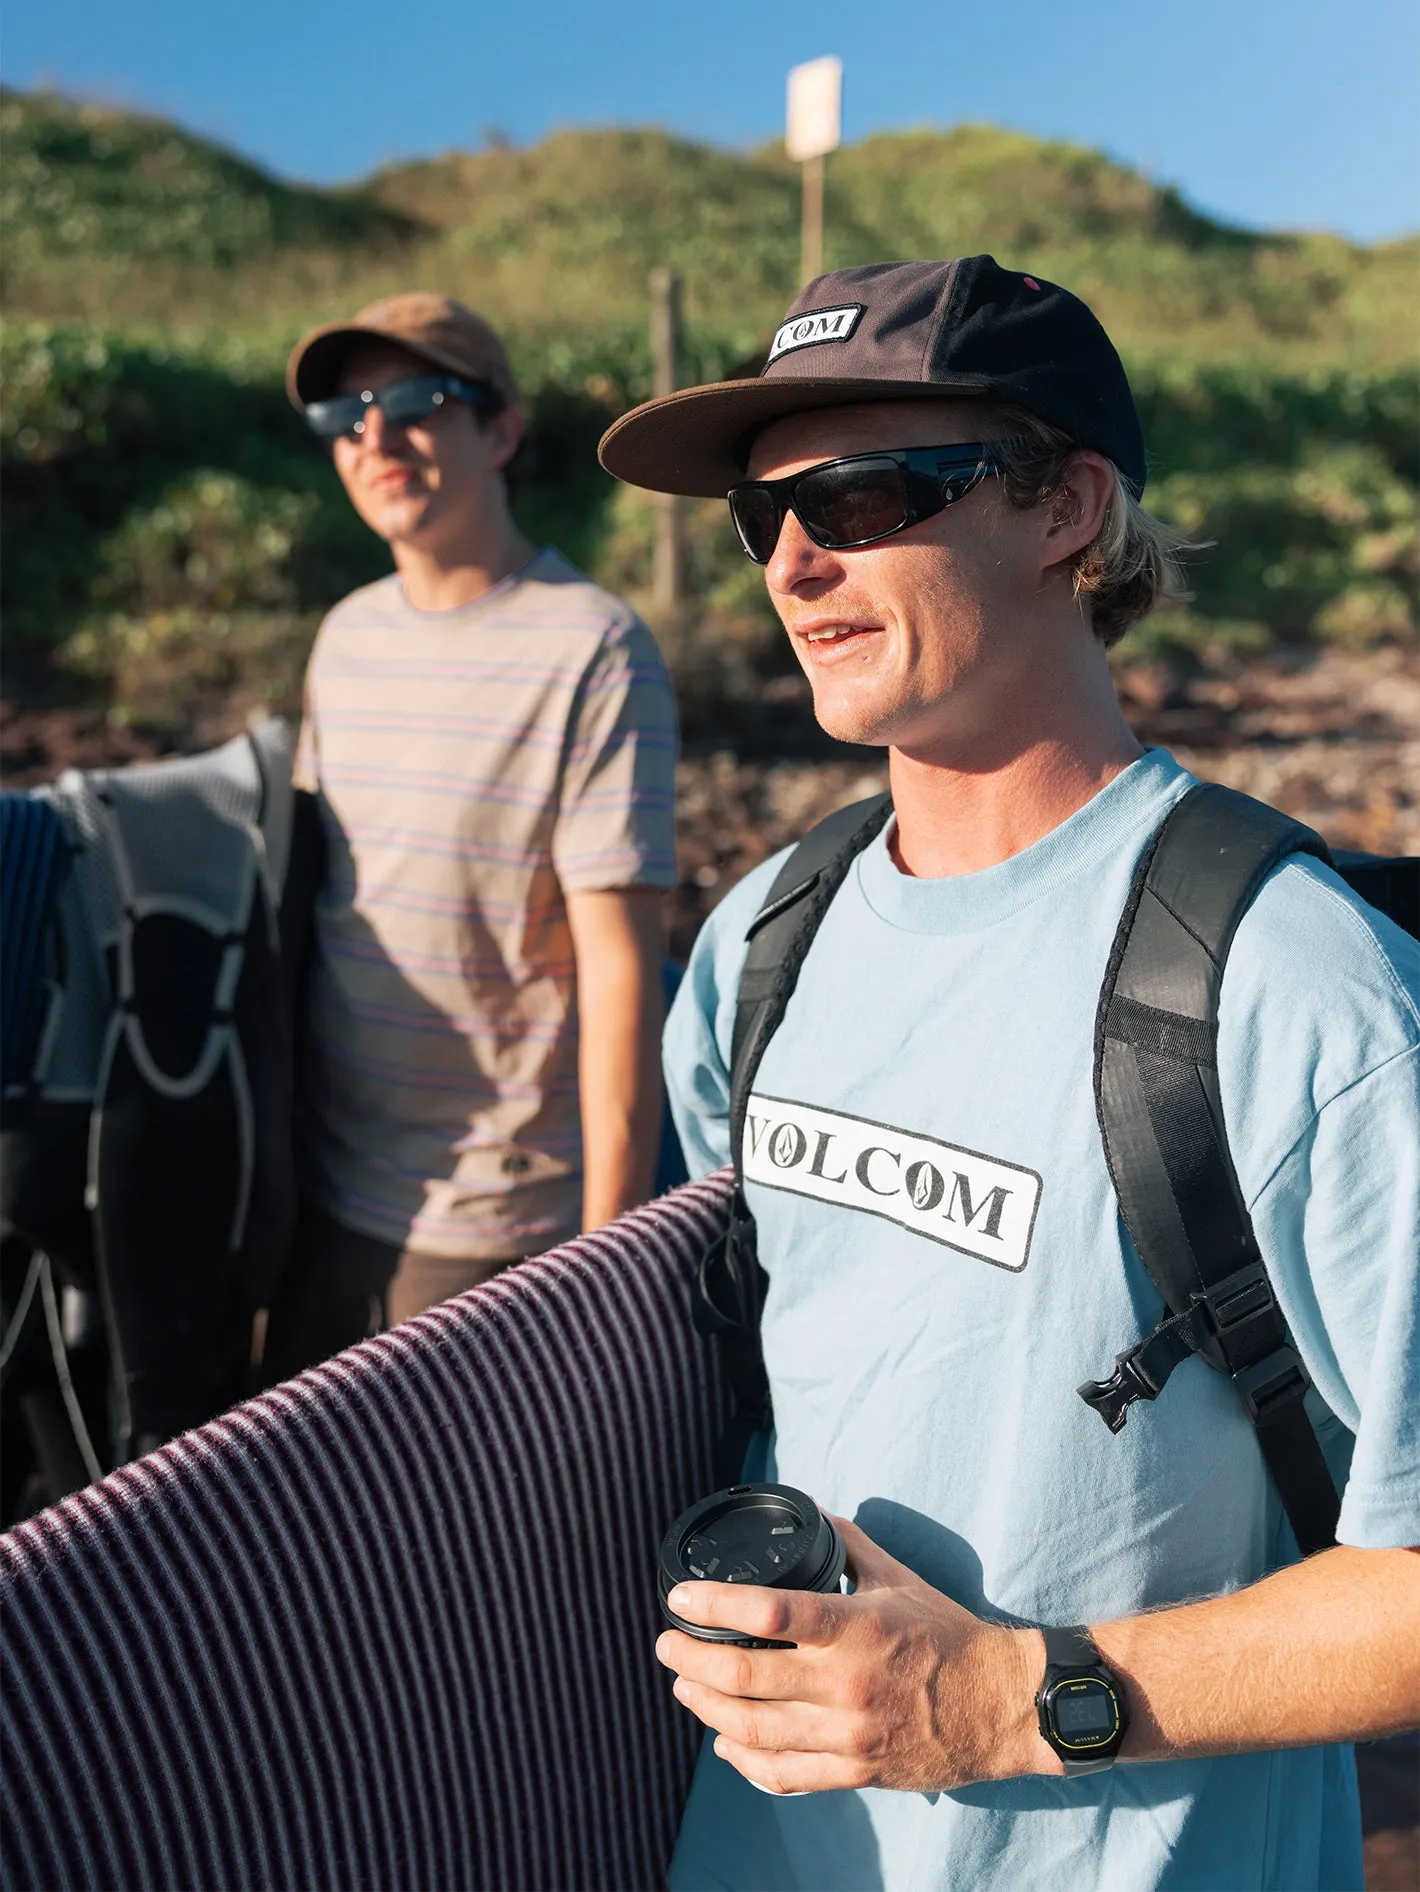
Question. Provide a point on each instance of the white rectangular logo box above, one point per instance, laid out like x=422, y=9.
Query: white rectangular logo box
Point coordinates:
x=814, y=326
x=977, y=1204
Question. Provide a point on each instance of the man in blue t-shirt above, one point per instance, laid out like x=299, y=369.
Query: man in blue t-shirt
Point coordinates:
x=940, y=470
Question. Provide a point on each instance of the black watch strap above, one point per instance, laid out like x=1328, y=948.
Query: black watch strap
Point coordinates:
x=1070, y=1649
x=1071, y=1652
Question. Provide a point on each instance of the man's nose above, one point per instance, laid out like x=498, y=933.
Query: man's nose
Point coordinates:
x=797, y=561
x=373, y=435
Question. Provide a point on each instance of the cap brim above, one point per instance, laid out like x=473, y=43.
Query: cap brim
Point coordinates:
x=314, y=367
x=695, y=442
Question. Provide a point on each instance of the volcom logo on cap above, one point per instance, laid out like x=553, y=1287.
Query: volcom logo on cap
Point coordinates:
x=978, y=1204
x=815, y=325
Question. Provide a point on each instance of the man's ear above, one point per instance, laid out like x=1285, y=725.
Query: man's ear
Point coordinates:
x=508, y=428
x=1076, y=514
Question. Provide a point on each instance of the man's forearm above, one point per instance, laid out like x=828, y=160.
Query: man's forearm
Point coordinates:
x=899, y=1686
x=620, y=1085
x=1325, y=1650
x=617, y=940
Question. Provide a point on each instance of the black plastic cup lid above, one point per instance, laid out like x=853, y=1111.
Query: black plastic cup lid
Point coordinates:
x=763, y=1534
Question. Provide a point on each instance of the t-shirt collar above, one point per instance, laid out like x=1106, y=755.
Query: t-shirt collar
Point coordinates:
x=526, y=570
x=1119, y=817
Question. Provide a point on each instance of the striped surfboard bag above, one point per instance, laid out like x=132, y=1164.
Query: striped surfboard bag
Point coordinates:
x=390, y=1624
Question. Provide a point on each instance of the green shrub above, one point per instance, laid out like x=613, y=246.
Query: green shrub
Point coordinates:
x=174, y=671
x=164, y=503
x=1290, y=539
x=142, y=477
x=1207, y=418
x=83, y=181
x=99, y=430
x=214, y=542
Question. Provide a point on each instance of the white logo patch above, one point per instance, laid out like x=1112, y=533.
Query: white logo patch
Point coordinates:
x=815, y=325
x=964, y=1200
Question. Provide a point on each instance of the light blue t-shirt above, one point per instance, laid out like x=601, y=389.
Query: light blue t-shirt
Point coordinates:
x=947, y=1262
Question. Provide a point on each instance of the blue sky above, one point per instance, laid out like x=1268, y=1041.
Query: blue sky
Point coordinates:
x=1275, y=113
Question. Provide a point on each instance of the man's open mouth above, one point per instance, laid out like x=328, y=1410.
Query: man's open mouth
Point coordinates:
x=828, y=638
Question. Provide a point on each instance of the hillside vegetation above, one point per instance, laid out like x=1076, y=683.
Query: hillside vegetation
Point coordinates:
x=169, y=517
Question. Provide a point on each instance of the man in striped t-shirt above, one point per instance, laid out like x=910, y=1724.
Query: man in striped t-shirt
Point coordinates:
x=492, y=738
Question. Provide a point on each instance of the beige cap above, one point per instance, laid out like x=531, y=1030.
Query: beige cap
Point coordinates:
x=443, y=331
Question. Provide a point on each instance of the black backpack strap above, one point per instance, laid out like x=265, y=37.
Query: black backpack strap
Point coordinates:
x=780, y=936
x=731, y=1288
x=1161, y=1121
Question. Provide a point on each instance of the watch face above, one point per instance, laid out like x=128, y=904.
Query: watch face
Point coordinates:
x=1084, y=1713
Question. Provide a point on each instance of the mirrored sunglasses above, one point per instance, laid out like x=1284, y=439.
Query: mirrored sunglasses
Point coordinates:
x=860, y=499
x=403, y=404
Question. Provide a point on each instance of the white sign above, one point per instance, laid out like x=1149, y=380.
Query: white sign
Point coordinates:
x=981, y=1205
x=815, y=100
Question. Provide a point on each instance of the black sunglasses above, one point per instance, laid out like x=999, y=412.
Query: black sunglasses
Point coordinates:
x=402, y=403
x=857, y=500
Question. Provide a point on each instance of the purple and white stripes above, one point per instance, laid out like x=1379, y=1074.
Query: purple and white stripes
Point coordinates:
x=391, y=1624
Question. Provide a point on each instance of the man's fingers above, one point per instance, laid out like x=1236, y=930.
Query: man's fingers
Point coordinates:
x=776, y=1725
x=798, y=1616
x=869, y=1565
x=790, y=1772
x=760, y=1674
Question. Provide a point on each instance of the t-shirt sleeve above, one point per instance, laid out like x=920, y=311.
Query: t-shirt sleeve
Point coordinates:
x=616, y=811
x=1339, y=1224
x=1321, y=1090
x=697, y=1076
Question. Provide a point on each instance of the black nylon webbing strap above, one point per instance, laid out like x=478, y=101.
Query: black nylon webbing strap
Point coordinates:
x=731, y=1288
x=780, y=936
x=1161, y=1122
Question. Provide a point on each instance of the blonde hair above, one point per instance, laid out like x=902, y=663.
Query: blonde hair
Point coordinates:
x=1134, y=562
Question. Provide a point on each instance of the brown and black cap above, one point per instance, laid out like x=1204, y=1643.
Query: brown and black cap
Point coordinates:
x=893, y=332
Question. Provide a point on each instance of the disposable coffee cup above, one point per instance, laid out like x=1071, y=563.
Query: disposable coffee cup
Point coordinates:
x=770, y=1535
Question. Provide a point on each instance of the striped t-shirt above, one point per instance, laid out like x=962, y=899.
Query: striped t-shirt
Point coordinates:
x=474, y=766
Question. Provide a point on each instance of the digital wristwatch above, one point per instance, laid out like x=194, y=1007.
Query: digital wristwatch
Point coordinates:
x=1080, y=1704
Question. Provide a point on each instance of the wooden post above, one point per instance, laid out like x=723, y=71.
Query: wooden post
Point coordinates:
x=813, y=113
x=668, y=580
x=811, y=240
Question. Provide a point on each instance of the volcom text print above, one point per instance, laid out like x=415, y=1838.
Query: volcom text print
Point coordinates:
x=978, y=1204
